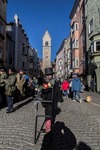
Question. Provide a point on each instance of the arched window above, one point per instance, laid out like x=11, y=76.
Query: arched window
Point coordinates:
x=46, y=43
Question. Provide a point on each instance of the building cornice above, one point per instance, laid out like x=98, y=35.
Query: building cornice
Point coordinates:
x=74, y=8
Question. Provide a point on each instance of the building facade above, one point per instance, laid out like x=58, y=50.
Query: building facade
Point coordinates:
x=78, y=37
x=21, y=46
x=67, y=58
x=46, y=50
x=60, y=61
x=3, y=5
x=92, y=18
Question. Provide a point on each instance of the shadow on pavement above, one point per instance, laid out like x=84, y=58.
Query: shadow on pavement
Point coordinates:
x=23, y=103
x=61, y=138
x=83, y=146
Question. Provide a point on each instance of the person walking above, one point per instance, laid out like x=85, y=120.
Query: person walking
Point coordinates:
x=65, y=87
x=51, y=92
x=76, y=88
x=10, y=89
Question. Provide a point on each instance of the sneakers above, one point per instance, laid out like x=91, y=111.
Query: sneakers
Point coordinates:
x=48, y=126
x=73, y=100
x=9, y=111
x=80, y=101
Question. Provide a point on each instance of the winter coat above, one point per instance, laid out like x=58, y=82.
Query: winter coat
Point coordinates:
x=53, y=92
x=65, y=85
x=20, y=82
x=10, y=85
x=76, y=85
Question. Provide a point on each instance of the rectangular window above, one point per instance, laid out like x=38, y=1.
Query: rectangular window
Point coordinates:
x=77, y=43
x=98, y=46
x=91, y=26
x=23, y=49
x=77, y=26
x=72, y=28
x=76, y=62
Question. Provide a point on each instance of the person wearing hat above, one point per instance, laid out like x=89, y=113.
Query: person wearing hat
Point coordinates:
x=76, y=87
x=3, y=76
x=50, y=92
x=10, y=89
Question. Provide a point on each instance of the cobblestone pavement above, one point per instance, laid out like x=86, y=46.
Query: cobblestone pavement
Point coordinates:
x=17, y=128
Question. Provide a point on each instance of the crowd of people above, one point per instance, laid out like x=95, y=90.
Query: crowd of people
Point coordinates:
x=14, y=86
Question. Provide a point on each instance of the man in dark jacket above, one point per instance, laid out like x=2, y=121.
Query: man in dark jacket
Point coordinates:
x=76, y=87
x=51, y=92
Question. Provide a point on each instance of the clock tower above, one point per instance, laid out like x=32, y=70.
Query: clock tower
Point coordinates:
x=46, y=46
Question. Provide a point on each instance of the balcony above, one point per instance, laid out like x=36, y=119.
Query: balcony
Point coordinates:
x=94, y=54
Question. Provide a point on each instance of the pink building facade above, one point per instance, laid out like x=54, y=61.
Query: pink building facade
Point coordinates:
x=78, y=37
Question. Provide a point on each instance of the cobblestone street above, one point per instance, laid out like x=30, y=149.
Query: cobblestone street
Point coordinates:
x=17, y=128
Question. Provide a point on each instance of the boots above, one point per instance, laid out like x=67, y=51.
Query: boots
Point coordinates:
x=48, y=126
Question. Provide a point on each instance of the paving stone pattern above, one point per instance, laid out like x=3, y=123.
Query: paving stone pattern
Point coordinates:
x=17, y=128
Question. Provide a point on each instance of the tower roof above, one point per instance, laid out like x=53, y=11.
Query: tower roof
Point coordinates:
x=46, y=34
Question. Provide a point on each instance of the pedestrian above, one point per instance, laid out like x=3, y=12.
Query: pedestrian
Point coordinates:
x=65, y=88
x=76, y=88
x=51, y=92
x=10, y=89
x=92, y=84
x=20, y=82
x=3, y=76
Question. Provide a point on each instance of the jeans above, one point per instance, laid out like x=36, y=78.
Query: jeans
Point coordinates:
x=76, y=95
x=9, y=102
x=65, y=93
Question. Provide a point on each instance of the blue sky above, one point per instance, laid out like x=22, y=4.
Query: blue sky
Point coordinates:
x=38, y=15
